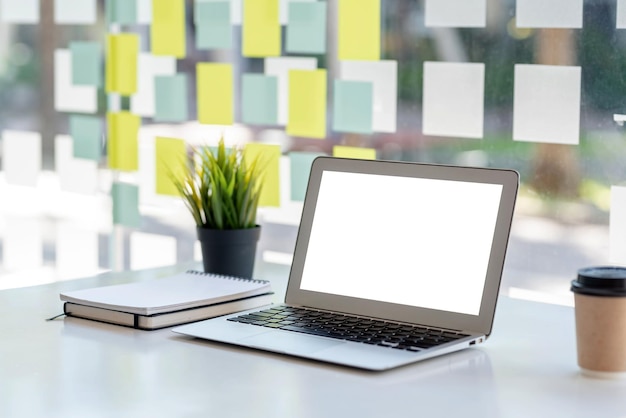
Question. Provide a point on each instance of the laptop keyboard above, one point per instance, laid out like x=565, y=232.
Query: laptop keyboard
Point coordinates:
x=351, y=328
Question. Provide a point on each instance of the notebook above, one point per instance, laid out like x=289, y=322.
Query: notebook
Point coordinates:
x=394, y=263
x=158, y=303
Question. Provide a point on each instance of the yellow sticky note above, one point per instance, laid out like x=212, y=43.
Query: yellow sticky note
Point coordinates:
x=122, y=144
x=215, y=93
x=121, y=63
x=307, y=103
x=167, y=32
x=170, y=161
x=354, y=152
x=261, y=28
x=359, y=30
x=269, y=157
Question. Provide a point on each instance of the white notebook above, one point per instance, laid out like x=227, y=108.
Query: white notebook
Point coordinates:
x=186, y=290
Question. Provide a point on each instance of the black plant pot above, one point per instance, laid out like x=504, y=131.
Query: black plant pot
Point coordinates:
x=229, y=251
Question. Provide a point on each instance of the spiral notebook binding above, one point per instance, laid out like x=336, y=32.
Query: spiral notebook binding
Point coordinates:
x=227, y=277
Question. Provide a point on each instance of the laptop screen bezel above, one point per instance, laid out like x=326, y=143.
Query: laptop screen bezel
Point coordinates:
x=481, y=323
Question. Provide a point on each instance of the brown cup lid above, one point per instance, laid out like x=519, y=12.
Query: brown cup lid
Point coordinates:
x=601, y=281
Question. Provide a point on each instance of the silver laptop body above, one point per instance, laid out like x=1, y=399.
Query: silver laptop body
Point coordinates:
x=408, y=244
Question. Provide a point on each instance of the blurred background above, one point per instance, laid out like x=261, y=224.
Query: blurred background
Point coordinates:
x=55, y=229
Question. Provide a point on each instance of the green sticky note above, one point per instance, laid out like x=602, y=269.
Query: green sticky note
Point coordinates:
x=259, y=99
x=306, y=27
x=123, y=12
x=353, y=106
x=86, y=60
x=213, y=27
x=300, y=168
x=170, y=98
x=86, y=132
x=125, y=205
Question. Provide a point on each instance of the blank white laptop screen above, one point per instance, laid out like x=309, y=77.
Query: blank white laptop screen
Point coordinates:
x=430, y=249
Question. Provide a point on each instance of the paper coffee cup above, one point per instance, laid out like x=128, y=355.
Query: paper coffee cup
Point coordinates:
x=600, y=308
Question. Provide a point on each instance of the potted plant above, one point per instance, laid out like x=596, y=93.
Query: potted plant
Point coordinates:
x=221, y=189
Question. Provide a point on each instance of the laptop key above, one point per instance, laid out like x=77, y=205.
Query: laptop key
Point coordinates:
x=310, y=331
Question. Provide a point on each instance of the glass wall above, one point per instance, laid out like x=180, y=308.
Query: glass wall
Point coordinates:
x=536, y=86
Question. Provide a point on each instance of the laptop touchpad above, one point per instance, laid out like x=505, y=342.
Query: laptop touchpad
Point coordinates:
x=289, y=343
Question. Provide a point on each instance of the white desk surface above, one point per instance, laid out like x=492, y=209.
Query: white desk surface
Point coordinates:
x=77, y=368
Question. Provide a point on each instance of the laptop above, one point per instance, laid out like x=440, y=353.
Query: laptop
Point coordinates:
x=394, y=262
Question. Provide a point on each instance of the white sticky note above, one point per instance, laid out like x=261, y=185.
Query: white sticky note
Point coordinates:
x=23, y=244
x=76, y=251
x=617, y=225
x=236, y=10
x=149, y=66
x=283, y=11
x=620, y=15
x=546, y=104
x=549, y=14
x=144, y=12
x=76, y=175
x=77, y=12
x=453, y=99
x=21, y=157
x=280, y=67
x=384, y=77
x=456, y=13
x=67, y=96
x=151, y=251
x=22, y=11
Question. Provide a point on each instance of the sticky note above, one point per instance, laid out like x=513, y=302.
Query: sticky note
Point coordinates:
x=283, y=12
x=123, y=12
x=81, y=12
x=164, y=247
x=144, y=11
x=22, y=243
x=306, y=27
x=67, y=96
x=21, y=157
x=384, y=77
x=215, y=93
x=549, y=13
x=148, y=67
x=171, y=98
x=71, y=239
x=167, y=32
x=300, y=169
x=353, y=106
x=617, y=225
x=280, y=67
x=171, y=156
x=259, y=103
x=75, y=175
x=546, y=103
x=269, y=157
x=213, y=27
x=307, y=103
x=122, y=144
x=125, y=204
x=121, y=63
x=456, y=13
x=86, y=63
x=453, y=99
x=23, y=11
x=86, y=133
x=261, y=35
x=359, y=30
x=342, y=151
x=620, y=15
